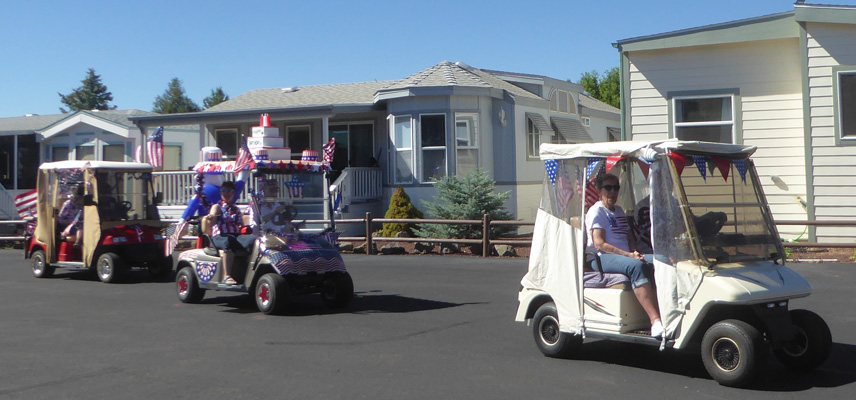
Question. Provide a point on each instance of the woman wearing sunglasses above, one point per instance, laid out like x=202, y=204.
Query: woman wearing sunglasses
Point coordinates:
x=609, y=234
x=227, y=221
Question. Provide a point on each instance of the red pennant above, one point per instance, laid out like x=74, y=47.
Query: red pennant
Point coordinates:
x=611, y=161
x=644, y=167
x=679, y=161
x=724, y=166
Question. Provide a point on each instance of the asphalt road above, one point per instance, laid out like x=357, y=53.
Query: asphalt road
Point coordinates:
x=420, y=327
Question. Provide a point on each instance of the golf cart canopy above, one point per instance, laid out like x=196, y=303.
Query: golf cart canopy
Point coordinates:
x=644, y=149
x=83, y=164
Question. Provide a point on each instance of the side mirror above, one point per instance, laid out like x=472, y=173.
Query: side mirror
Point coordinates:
x=88, y=200
x=158, y=198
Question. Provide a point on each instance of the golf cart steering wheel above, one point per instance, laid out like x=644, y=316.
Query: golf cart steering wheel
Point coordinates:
x=285, y=216
x=124, y=208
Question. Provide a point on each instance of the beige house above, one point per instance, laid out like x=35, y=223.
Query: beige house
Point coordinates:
x=785, y=83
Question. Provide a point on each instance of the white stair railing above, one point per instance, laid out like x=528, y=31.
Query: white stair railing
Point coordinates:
x=7, y=205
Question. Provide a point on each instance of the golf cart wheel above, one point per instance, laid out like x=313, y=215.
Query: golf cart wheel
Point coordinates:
x=812, y=343
x=549, y=339
x=337, y=289
x=159, y=270
x=271, y=293
x=41, y=268
x=730, y=351
x=109, y=268
x=187, y=287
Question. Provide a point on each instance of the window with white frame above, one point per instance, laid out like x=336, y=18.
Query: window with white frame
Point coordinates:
x=562, y=101
x=402, y=149
x=298, y=138
x=586, y=121
x=705, y=118
x=466, y=142
x=847, y=104
x=432, y=146
x=533, y=138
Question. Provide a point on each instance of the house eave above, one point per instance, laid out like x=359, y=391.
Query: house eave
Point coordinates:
x=822, y=13
x=383, y=95
x=249, y=115
x=768, y=27
x=81, y=117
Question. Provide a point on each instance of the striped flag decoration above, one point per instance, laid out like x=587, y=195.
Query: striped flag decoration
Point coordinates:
x=26, y=203
x=295, y=188
x=245, y=159
x=592, y=195
x=173, y=234
x=154, y=148
x=329, y=149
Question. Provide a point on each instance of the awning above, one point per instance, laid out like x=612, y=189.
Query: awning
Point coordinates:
x=571, y=129
x=540, y=122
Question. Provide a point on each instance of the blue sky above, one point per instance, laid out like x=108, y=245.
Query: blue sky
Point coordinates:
x=137, y=47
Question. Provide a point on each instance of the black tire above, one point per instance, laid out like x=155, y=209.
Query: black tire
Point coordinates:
x=730, y=351
x=812, y=344
x=549, y=339
x=337, y=289
x=161, y=269
x=109, y=268
x=187, y=287
x=41, y=268
x=271, y=293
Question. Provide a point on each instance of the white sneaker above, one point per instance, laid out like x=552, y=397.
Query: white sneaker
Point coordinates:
x=657, y=330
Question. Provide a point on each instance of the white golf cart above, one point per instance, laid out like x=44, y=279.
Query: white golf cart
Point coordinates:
x=721, y=283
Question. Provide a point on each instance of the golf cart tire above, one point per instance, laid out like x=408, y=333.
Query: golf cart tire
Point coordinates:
x=812, y=343
x=337, y=289
x=109, y=268
x=161, y=269
x=271, y=293
x=41, y=268
x=550, y=340
x=731, y=353
x=187, y=287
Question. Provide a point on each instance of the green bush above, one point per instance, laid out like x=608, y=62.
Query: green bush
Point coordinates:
x=400, y=207
x=469, y=197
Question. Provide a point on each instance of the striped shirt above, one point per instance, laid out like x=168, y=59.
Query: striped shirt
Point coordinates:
x=614, y=224
x=230, y=219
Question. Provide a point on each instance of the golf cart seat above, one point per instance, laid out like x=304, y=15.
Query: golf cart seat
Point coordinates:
x=205, y=229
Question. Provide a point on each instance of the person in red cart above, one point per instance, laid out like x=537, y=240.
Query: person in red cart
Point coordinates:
x=71, y=217
x=227, y=223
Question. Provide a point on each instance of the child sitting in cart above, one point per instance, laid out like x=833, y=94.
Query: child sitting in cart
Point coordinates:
x=227, y=221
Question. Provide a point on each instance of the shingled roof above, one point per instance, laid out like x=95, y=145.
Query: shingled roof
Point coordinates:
x=304, y=96
x=446, y=74
x=595, y=104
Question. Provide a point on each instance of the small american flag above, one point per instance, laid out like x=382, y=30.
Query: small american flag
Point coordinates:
x=329, y=148
x=154, y=148
x=295, y=188
x=26, y=204
x=592, y=195
x=245, y=159
x=173, y=234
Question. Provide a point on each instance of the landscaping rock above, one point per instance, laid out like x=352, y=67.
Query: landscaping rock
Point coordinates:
x=361, y=249
x=450, y=248
x=348, y=247
x=423, y=248
x=392, y=250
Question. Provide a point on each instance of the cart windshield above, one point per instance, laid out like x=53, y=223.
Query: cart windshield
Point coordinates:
x=125, y=195
x=728, y=210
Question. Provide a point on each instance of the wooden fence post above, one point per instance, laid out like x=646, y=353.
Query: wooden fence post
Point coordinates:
x=369, y=233
x=486, y=236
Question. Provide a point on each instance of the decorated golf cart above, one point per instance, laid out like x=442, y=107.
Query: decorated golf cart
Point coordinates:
x=286, y=257
x=721, y=283
x=115, y=225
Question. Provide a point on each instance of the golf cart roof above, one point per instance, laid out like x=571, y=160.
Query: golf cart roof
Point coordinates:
x=83, y=164
x=283, y=166
x=644, y=149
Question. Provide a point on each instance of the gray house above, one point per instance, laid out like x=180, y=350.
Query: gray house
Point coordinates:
x=448, y=119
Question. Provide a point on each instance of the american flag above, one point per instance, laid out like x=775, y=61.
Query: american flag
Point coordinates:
x=154, y=148
x=295, y=188
x=329, y=148
x=173, y=234
x=592, y=195
x=245, y=159
x=26, y=204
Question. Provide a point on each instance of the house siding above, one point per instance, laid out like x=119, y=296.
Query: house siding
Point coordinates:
x=830, y=45
x=767, y=76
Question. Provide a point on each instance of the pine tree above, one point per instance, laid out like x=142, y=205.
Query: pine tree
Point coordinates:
x=217, y=96
x=174, y=100
x=467, y=198
x=400, y=207
x=92, y=95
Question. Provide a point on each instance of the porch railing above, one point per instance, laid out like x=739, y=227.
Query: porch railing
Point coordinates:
x=7, y=204
x=359, y=184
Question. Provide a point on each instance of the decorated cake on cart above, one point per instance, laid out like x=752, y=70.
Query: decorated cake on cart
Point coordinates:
x=279, y=256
